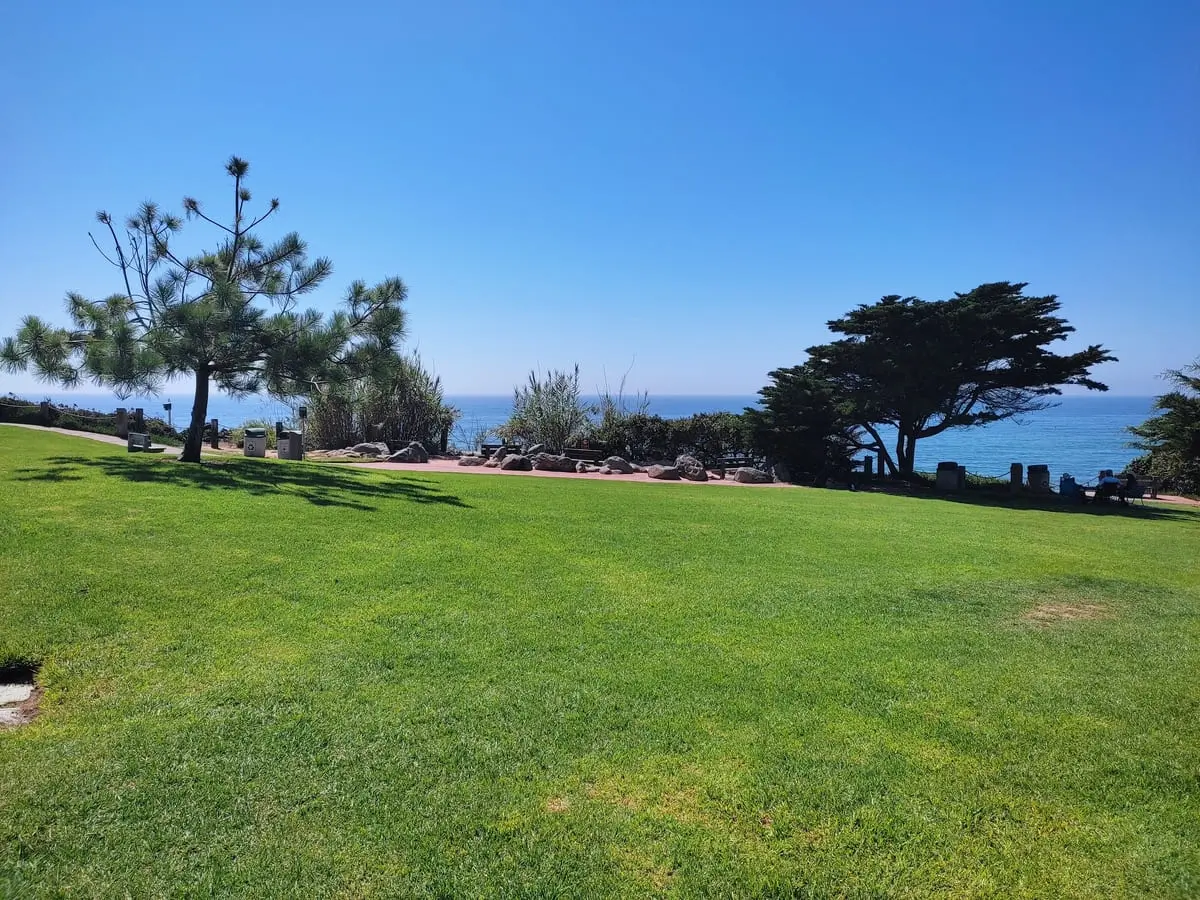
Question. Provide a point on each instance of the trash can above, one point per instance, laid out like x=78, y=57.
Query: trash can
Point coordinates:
x=255, y=442
x=947, y=476
x=291, y=445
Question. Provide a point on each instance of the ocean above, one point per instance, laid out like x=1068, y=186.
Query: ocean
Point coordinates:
x=1080, y=436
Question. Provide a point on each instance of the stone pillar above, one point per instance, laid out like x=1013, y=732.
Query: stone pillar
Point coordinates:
x=122, y=422
x=44, y=411
x=1016, y=475
x=1039, y=479
x=139, y=421
x=216, y=434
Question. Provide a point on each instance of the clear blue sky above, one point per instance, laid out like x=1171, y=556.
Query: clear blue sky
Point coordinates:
x=696, y=187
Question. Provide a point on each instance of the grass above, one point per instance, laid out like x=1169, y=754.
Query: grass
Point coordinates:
x=280, y=679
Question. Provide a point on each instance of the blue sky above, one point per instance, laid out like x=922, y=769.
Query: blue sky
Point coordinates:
x=691, y=188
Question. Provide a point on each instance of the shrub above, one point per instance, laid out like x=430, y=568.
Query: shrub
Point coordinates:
x=405, y=403
x=549, y=410
x=1171, y=439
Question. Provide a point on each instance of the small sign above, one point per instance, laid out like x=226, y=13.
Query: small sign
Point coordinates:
x=304, y=412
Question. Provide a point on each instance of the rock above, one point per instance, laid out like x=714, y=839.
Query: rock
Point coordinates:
x=535, y=450
x=371, y=448
x=638, y=470
x=781, y=474
x=663, y=473
x=335, y=454
x=581, y=467
x=604, y=470
x=548, y=462
x=471, y=460
x=413, y=453
x=618, y=465
x=492, y=463
x=515, y=462
x=499, y=453
x=751, y=475
x=691, y=468
x=587, y=468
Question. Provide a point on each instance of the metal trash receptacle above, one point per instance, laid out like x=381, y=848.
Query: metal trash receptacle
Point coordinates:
x=291, y=445
x=255, y=442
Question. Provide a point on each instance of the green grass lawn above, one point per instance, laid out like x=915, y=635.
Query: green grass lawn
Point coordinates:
x=280, y=679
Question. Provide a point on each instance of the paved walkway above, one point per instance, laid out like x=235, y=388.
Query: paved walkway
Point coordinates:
x=92, y=436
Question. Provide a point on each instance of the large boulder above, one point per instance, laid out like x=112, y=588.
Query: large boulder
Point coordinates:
x=535, y=450
x=548, y=462
x=781, y=474
x=471, y=460
x=619, y=465
x=499, y=453
x=751, y=475
x=515, y=462
x=691, y=468
x=663, y=473
x=492, y=463
x=413, y=453
x=371, y=448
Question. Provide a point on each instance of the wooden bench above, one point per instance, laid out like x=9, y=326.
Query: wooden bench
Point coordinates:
x=734, y=461
x=585, y=454
x=489, y=449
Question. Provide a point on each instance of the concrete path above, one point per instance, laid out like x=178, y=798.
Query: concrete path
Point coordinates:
x=91, y=436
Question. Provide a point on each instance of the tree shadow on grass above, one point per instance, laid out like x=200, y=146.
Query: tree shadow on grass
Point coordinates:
x=1047, y=503
x=320, y=485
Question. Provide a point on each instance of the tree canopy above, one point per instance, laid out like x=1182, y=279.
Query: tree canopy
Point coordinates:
x=227, y=316
x=1172, y=438
x=922, y=367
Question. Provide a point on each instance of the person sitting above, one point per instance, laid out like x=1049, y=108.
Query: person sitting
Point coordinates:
x=1129, y=489
x=1108, y=486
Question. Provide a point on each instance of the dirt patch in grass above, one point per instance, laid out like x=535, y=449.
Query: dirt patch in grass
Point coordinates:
x=558, y=805
x=1046, y=614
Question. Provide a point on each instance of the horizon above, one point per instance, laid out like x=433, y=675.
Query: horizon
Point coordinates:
x=693, y=196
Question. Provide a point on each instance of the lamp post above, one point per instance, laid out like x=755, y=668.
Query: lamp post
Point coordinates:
x=167, y=407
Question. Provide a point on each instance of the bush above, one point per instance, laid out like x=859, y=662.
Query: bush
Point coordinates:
x=1172, y=438
x=707, y=436
x=404, y=404
x=800, y=425
x=549, y=410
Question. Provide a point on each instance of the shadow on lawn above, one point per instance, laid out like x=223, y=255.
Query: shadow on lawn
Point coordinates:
x=320, y=485
x=1052, y=503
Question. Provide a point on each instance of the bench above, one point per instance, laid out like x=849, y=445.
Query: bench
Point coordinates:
x=489, y=449
x=584, y=454
x=734, y=461
x=138, y=443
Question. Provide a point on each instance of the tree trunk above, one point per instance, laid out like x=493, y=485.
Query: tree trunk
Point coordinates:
x=195, y=434
x=906, y=453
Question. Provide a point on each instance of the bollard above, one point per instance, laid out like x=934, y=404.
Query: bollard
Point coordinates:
x=868, y=468
x=122, y=422
x=139, y=420
x=1016, y=474
x=215, y=435
x=44, y=411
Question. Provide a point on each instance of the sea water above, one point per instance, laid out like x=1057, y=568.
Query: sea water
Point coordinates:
x=1080, y=435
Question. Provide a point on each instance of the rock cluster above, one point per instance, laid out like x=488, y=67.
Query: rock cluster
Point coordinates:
x=515, y=462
